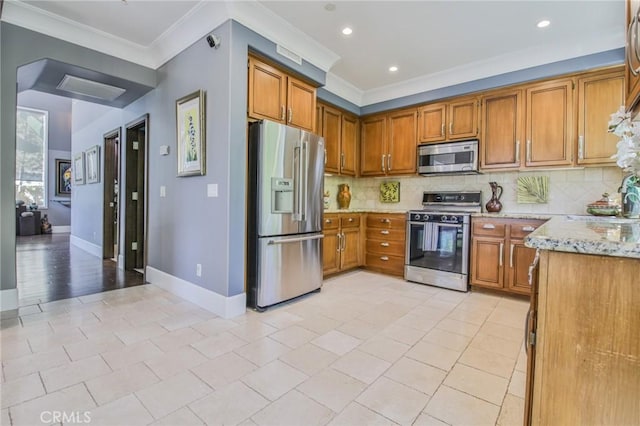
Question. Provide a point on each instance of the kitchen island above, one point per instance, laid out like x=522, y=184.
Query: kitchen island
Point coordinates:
x=582, y=338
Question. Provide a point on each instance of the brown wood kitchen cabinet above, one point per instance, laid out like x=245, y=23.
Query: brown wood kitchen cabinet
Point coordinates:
x=342, y=246
x=502, y=124
x=340, y=132
x=275, y=95
x=582, y=341
x=457, y=119
x=599, y=95
x=549, y=123
x=499, y=258
x=385, y=242
x=388, y=144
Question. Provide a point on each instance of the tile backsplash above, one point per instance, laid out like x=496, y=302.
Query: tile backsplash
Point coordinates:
x=570, y=190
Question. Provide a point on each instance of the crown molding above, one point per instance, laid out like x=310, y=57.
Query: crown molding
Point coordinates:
x=497, y=65
x=343, y=89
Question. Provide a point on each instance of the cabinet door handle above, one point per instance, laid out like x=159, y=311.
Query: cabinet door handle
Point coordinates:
x=385, y=220
x=328, y=221
x=384, y=244
x=501, y=252
x=325, y=156
x=442, y=130
x=532, y=268
x=290, y=115
x=488, y=226
x=382, y=164
x=528, y=228
x=384, y=258
x=339, y=242
x=580, y=147
x=384, y=232
x=511, y=257
x=341, y=160
x=450, y=128
x=526, y=331
x=344, y=242
x=517, y=151
x=282, y=112
x=350, y=219
x=389, y=162
x=528, y=150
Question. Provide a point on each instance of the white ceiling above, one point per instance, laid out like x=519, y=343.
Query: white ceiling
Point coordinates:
x=433, y=43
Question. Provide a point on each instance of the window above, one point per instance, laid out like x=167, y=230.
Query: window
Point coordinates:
x=31, y=156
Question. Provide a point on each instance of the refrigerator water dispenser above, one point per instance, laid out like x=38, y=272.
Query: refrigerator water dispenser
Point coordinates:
x=281, y=195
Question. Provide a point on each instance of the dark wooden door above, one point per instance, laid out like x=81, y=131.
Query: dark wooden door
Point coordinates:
x=135, y=194
x=110, y=224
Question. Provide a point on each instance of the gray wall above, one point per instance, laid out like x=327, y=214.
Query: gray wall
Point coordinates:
x=59, y=141
x=20, y=46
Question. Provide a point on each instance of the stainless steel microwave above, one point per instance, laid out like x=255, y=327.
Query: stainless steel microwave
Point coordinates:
x=448, y=157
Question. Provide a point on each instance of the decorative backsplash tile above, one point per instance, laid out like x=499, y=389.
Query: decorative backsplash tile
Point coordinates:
x=569, y=191
x=532, y=189
x=390, y=192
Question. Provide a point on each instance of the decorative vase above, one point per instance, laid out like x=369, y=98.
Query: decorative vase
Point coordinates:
x=494, y=205
x=344, y=196
x=630, y=196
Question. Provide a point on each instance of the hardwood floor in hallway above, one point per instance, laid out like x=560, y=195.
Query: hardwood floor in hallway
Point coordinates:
x=49, y=268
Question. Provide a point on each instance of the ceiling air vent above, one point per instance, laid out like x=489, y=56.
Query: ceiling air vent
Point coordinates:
x=289, y=54
x=90, y=88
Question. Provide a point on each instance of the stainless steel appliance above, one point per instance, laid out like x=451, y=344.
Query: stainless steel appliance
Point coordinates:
x=449, y=157
x=438, y=239
x=286, y=186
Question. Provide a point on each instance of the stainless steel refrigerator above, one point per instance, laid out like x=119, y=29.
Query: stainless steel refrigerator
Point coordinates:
x=286, y=185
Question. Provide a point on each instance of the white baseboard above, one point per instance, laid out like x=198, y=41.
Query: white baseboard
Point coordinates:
x=60, y=229
x=85, y=245
x=121, y=262
x=226, y=307
x=9, y=299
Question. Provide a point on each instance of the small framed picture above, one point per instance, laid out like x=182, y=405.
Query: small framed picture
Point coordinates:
x=78, y=169
x=190, y=132
x=63, y=177
x=92, y=157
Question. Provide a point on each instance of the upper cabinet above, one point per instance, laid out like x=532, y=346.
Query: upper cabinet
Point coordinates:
x=276, y=96
x=598, y=97
x=549, y=123
x=632, y=52
x=502, y=126
x=448, y=121
x=388, y=144
x=340, y=132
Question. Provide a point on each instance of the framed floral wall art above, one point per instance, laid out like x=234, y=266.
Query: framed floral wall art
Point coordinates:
x=92, y=166
x=190, y=132
x=78, y=169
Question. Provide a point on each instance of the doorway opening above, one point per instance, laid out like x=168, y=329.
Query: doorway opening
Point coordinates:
x=111, y=215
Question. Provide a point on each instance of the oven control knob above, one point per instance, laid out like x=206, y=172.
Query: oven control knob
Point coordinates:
x=425, y=217
x=443, y=218
x=416, y=216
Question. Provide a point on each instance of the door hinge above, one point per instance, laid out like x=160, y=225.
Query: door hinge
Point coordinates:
x=532, y=338
x=134, y=246
x=135, y=146
x=134, y=196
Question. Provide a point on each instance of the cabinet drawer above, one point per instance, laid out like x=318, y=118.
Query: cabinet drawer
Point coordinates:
x=391, y=264
x=350, y=221
x=385, y=234
x=489, y=228
x=386, y=221
x=386, y=247
x=522, y=229
x=330, y=222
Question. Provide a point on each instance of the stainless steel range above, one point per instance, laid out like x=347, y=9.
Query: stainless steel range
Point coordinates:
x=438, y=239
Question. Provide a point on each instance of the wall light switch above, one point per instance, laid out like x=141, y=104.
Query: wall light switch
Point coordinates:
x=164, y=149
x=212, y=190
x=163, y=191
x=198, y=269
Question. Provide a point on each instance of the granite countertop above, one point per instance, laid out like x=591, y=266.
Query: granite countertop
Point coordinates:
x=364, y=211
x=540, y=216
x=607, y=236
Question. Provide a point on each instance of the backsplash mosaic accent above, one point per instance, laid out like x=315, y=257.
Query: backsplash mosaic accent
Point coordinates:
x=569, y=191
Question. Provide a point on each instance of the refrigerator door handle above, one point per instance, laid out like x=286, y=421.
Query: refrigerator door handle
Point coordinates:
x=304, y=176
x=297, y=183
x=295, y=240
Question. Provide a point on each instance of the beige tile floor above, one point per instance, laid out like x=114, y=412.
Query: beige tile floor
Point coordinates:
x=368, y=349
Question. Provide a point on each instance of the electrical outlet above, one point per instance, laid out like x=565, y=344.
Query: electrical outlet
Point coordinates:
x=212, y=190
x=163, y=191
x=198, y=270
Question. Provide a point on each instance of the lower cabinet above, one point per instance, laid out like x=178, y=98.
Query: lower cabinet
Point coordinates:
x=583, y=347
x=342, y=246
x=385, y=243
x=499, y=258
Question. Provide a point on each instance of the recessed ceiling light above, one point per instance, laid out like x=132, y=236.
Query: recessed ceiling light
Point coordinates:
x=543, y=24
x=347, y=31
x=393, y=69
x=329, y=7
